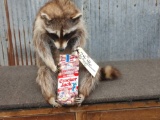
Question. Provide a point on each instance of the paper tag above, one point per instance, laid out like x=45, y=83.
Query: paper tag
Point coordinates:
x=89, y=64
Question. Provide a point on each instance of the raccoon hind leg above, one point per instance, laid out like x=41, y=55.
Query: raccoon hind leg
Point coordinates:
x=87, y=84
x=48, y=85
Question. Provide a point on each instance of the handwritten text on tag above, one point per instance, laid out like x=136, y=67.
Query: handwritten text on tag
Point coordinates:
x=90, y=65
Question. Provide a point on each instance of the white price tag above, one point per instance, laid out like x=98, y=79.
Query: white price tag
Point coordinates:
x=89, y=64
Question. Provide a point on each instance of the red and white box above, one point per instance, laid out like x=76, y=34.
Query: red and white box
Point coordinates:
x=68, y=79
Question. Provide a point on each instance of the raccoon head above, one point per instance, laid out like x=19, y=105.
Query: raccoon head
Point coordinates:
x=62, y=22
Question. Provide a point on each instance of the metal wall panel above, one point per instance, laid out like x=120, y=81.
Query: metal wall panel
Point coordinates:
x=117, y=29
x=3, y=36
x=124, y=29
x=21, y=16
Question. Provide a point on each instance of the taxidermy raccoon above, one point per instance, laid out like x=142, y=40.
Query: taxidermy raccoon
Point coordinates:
x=59, y=29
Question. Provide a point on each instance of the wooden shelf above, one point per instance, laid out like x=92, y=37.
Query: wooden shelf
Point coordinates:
x=146, y=110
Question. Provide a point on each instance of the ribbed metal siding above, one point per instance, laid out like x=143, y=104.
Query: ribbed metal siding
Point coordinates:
x=3, y=36
x=16, y=37
x=124, y=29
x=118, y=29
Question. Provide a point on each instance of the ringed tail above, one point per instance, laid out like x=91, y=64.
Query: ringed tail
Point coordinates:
x=109, y=73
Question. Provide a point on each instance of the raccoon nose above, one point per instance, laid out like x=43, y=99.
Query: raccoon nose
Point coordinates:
x=61, y=49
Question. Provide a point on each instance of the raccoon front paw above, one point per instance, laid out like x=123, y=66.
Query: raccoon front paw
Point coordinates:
x=79, y=99
x=54, y=68
x=75, y=52
x=58, y=69
x=54, y=103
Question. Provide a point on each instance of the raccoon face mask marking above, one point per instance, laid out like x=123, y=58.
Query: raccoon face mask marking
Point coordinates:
x=61, y=36
x=62, y=42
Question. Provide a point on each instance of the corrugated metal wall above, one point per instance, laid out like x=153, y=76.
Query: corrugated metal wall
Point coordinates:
x=124, y=29
x=118, y=29
x=16, y=31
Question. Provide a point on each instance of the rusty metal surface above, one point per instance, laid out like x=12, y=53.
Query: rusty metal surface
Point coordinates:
x=16, y=47
x=16, y=31
x=117, y=29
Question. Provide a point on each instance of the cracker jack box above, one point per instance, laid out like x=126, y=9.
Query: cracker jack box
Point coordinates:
x=68, y=79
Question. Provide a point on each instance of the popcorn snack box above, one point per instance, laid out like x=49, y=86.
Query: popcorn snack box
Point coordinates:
x=68, y=79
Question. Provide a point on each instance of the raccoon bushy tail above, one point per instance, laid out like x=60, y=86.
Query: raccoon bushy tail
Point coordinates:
x=109, y=73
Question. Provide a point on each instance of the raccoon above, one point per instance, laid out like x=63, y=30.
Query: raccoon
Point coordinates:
x=59, y=29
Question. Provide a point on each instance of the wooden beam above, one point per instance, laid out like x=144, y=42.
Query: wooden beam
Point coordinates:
x=81, y=115
x=81, y=110
x=127, y=114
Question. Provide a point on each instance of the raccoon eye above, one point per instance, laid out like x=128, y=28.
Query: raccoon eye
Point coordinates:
x=74, y=39
x=70, y=35
x=52, y=36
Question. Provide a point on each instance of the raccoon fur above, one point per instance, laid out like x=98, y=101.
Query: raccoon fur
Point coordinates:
x=59, y=29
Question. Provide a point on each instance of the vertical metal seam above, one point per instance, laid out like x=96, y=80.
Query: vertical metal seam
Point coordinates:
x=11, y=58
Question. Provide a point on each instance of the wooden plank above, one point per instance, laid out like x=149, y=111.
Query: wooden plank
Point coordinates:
x=85, y=108
x=81, y=116
x=136, y=114
x=68, y=116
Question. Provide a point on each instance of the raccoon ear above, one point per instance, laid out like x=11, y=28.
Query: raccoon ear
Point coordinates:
x=45, y=16
x=76, y=18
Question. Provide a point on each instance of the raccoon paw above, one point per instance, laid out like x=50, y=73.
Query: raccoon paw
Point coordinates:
x=75, y=52
x=53, y=102
x=58, y=69
x=54, y=68
x=79, y=99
